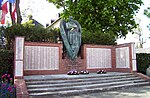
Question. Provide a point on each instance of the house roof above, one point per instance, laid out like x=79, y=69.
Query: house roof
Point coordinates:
x=54, y=22
x=36, y=23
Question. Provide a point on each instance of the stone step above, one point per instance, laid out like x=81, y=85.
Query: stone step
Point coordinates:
x=72, y=83
x=51, y=81
x=89, y=90
x=84, y=86
x=70, y=77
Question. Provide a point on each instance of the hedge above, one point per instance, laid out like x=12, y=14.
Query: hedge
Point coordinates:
x=6, y=62
x=31, y=34
x=143, y=62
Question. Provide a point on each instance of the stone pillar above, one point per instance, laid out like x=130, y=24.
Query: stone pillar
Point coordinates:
x=18, y=57
x=134, y=67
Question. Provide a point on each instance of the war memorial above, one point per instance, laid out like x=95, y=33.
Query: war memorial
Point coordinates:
x=42, y=68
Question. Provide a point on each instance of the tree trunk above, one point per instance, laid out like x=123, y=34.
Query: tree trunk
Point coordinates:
x=19, y=18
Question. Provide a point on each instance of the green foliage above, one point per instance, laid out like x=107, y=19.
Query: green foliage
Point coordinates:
x=147, y=13
x=1, y=37
x=6, y=61
x=58, y=3
x=31, y=33
x=98, y=38
x=143, y=62
x=105, y=16
x=54, y=34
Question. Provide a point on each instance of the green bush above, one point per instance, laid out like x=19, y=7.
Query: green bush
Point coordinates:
x=98, y=37
x=143, y=62
x=6, y=61
x=31, y=34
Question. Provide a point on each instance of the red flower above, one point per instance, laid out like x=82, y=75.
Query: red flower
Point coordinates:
x=10, y=79
x=9, y=88
x=8, y=75
x=3, y=76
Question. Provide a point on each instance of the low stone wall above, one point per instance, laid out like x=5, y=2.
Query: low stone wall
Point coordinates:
x=21, y=89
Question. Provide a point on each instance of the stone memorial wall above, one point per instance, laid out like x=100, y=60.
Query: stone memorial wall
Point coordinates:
x=98, y=58
x=33, y=58
x=41, y=58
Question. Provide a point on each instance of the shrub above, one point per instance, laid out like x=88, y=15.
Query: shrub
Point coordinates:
x=98, y=37
x=143, y=62
x=31, y=34
x=6, y=61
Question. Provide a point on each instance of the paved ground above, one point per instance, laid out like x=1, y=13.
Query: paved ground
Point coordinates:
x=137, y=92
x=134, y=92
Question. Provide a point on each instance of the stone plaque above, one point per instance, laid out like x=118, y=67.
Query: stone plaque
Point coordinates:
x=122, y=57
x=19, y=68
x=19, y=48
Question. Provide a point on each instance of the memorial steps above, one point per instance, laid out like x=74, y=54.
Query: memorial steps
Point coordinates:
x=62, y=85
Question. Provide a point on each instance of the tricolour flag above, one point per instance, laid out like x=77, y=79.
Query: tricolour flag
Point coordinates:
x=11, y=1
x=1, y=4
x=4, y=12
x=13, y=14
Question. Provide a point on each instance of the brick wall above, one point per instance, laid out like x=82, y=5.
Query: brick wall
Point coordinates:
x=46, y=58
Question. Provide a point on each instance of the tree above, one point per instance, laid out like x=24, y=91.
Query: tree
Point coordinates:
x=104, y=16
x=147, y=13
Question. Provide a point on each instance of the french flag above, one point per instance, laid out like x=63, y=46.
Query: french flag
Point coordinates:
x=4, y=10
x=3, y=1
x=11, y=1
x=13, y=14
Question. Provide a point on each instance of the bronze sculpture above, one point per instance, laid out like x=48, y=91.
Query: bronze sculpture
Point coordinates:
x=71, y=36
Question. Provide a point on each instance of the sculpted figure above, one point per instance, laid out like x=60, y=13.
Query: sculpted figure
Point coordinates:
x=71, y=35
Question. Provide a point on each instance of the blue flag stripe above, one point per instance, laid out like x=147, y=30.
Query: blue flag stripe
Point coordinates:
x=11, y=1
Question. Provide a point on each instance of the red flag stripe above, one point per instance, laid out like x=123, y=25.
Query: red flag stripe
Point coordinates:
x=4, y=12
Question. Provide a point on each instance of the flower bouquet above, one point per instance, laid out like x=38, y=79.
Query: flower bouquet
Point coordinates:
x=101, y=72
x=84, y=72
x=73, y=72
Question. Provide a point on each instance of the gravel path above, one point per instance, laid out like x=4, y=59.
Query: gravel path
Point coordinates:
x=134, y=92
